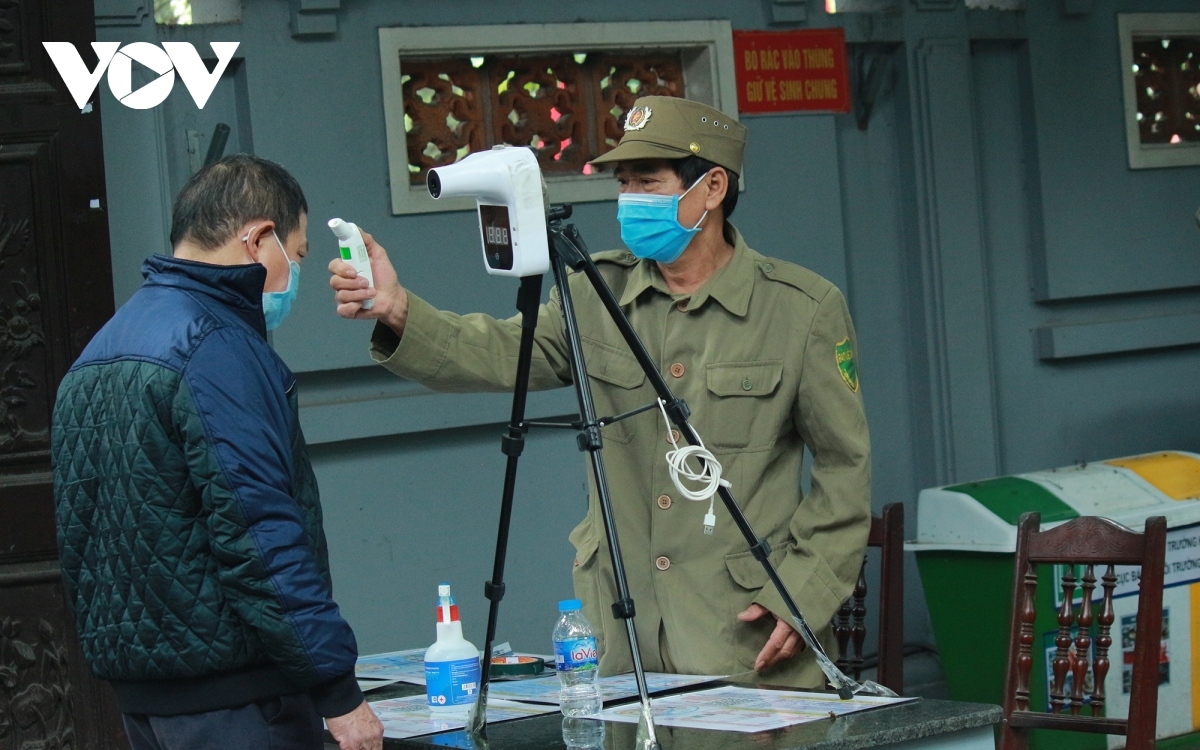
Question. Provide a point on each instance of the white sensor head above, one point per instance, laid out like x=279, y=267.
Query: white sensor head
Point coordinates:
x=444, y=589
x=341, y=229
x=506, y=183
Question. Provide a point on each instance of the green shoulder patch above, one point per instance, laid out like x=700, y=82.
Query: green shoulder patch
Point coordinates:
x=844, y=354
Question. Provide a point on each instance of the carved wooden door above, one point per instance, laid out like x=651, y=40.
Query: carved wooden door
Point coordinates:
x=55, y=293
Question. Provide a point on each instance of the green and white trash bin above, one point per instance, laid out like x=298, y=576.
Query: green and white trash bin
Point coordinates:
x=966, y=539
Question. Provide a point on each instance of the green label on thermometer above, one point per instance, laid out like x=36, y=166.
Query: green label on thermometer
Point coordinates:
x=345, y=252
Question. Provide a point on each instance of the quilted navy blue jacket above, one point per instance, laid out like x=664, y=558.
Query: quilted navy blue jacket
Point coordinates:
x=189, y=523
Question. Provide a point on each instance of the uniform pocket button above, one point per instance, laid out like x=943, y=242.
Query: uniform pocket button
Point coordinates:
x=747, y=385
x=662, y=563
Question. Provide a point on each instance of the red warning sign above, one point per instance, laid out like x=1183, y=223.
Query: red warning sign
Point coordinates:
x=791, y=71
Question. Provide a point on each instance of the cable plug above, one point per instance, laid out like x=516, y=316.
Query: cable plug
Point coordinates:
x=710, y=521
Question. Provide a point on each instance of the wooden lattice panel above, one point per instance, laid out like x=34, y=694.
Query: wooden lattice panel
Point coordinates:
x=540, y=102
x=1167, y=81
x=569, y=106
x=444, y=113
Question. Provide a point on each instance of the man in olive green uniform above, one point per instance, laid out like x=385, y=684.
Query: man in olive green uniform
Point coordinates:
x=762, y=351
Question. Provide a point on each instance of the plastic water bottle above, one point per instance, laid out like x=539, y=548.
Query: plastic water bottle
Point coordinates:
x=582, y=734
x=452, y=669
x=576, y=660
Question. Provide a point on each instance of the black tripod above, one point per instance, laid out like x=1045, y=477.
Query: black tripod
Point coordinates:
x=567, y=250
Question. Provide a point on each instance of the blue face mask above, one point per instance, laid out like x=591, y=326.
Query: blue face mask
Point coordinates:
x=650, y=225
x=277, y=305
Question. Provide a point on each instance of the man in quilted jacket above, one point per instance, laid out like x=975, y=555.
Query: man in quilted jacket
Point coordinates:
x=189, y=523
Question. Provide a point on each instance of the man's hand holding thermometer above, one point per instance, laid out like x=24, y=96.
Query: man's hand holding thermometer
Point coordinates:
x=510, y=196
x=389, y=300
x=353, y=250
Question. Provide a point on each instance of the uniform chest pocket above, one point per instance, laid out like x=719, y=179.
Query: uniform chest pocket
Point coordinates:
x=740, y=404
x=620, y=387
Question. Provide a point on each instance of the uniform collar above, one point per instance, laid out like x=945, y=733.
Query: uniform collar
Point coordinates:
x=731, y=286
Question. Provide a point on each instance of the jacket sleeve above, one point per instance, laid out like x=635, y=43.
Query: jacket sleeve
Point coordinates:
x=828, y=532
x=235, y=421
x=470, y=353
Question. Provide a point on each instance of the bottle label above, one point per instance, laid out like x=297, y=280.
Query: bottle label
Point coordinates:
x=576, y=654
x=451, y=683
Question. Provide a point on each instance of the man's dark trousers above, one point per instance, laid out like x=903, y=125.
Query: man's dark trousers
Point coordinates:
x=286, y=723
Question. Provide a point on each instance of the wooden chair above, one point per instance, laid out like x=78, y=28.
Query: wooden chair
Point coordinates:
x=849, y=624
x=1088, y=540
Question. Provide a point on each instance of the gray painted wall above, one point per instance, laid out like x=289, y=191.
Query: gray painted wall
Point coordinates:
x=988, y=199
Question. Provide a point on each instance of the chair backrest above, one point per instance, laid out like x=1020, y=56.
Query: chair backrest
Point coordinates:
x=849, y=623
x=1087, y=541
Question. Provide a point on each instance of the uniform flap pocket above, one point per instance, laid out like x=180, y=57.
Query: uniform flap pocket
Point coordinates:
x=586, y=543
x=744, y=378
x=748, y=572
x=612, y=364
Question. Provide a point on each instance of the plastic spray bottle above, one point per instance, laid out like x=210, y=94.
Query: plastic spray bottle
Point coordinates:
x=354, y=252
x=451, y=664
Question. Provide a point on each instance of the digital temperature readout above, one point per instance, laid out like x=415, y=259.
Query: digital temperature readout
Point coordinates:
x=497, y=236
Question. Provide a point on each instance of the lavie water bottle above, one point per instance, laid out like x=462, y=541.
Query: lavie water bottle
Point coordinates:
x=576, y=660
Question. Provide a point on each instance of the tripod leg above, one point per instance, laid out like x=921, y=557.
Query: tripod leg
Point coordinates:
x=512, y=444
x=590, y=440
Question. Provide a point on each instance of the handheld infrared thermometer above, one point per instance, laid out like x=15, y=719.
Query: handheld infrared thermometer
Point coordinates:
x=354, y=251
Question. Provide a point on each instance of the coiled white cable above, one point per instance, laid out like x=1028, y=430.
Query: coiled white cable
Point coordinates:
x=709, y=474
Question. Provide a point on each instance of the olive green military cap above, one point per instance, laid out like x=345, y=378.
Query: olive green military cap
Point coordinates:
x=667, y=127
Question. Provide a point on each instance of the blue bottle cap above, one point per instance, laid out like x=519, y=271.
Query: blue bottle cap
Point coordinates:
x=569, y=605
